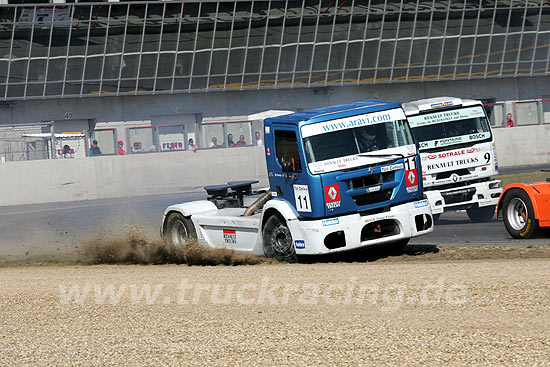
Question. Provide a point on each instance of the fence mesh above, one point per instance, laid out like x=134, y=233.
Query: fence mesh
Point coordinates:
x=26, y=142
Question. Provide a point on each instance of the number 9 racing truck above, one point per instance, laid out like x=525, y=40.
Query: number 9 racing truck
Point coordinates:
x=458, y=155
x=340, y=178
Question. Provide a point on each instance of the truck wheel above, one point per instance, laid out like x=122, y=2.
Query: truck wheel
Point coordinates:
x=277, y=240
x=519, y=215
x=179, y=230
x=481, y=215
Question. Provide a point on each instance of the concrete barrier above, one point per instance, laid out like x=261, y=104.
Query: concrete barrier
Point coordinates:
x=523, y=145
x=105, y=177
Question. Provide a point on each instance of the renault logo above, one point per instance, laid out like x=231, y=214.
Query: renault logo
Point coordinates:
x=332, y=193
x=454, y=177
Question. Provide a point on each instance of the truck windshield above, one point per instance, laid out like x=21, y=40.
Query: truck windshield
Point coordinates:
x=357, y=140
x=451, y=127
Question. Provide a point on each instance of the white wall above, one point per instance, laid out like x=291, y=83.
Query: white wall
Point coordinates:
x=129, y=175
x=523, y=145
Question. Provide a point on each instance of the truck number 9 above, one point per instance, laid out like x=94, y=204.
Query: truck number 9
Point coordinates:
x=487, y=156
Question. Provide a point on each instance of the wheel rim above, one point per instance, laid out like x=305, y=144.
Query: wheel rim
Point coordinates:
x=178, y=233
x=517, y=214
x=281, y=241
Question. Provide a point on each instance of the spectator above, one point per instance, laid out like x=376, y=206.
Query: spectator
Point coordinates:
x=230, y=142
x=214, y=143
x=259, y=140
x=94, y=149
x=509, y=121
x=241, y=141
x=137, y=147
x=120, y=146
x=192, y=145
x=66, y=151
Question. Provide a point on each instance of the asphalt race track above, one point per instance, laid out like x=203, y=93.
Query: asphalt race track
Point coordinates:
x=61, y=227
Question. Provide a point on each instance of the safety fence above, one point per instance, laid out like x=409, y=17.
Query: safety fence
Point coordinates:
x=170, y=138
x=26, y=142
x=519, y=113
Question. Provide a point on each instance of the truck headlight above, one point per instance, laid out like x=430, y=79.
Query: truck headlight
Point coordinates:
x=495, y=185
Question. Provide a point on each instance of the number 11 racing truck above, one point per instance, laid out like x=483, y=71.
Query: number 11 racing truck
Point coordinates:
x=458, y=155
x=340, y=178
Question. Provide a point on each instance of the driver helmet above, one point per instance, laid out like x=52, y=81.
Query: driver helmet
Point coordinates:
x=370, y=133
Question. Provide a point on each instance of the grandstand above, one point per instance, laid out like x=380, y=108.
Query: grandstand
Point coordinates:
x=87, y=64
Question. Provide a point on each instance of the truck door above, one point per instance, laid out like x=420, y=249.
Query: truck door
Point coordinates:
x=288, y=176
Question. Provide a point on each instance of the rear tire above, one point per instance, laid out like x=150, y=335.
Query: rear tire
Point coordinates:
x=481, y=215
x=519, y=215
x=277, y=240
x=179, y=230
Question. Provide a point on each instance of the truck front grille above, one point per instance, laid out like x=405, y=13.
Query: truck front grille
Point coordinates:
x=371, y=180
x=458, y=196
x=373, y=197
x=365, y=181
x=457, y=184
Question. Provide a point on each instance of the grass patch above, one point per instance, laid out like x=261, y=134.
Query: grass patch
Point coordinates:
x=524, y=177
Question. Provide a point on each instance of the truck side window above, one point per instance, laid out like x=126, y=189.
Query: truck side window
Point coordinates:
x=286, y=148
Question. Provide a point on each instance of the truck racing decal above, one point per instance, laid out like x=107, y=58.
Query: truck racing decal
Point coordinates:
x=421, y=204
x=301, y=195
x=332, y=196
x=352, y=161
x=456, y=159
x=352, y=122
x=441, y=104
x=393, y=167
x=331, y=222
x=411, y=175
x=452, y=153
x=446, y=116
x=411, y=180
x=301, y=244
x=230, y=236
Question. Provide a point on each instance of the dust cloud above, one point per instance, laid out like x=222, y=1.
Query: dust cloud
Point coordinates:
x=135, y=248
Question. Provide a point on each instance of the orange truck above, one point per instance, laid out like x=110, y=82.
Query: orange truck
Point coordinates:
x=525, y=208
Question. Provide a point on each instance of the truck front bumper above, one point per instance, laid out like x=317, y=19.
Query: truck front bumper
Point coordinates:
x=354, y=231
x=478, y=194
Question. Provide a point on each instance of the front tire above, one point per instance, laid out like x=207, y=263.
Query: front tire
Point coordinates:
x=481, y=215
x=277, y=240
x=519, y=215
x=179, y=230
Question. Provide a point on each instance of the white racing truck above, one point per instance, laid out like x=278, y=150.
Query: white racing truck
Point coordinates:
x=341, y=178
x=458, y=155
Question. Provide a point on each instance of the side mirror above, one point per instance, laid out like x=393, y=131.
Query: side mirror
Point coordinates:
x=287, y=166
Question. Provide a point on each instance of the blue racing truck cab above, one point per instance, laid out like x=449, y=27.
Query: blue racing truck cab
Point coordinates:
x=340, y=178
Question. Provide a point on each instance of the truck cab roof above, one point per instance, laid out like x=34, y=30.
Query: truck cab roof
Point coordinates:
x=334, y=112
x=436, y=103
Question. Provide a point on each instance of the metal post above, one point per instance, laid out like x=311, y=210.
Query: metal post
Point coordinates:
x=52, y=130
x=540, y=112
